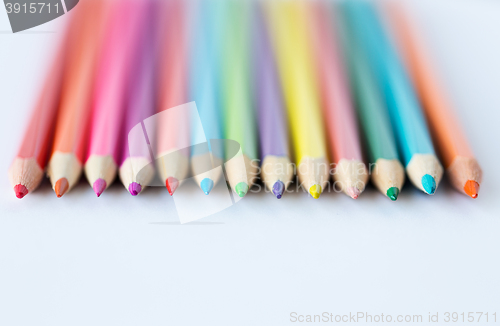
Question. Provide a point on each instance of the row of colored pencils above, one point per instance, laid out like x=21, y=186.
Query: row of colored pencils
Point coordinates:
x=307, y=82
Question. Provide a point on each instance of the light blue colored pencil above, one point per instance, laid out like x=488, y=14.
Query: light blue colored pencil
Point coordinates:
x=407, y=119
x=203, y=90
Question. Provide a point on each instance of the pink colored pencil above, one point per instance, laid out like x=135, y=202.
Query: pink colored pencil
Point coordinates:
x=116, y=60
x=350, y=172
x=173, y=139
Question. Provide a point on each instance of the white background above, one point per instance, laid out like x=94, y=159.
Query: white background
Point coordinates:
x=118, y=260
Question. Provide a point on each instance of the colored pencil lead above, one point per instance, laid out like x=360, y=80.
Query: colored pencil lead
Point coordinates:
x=61, y=187
x=207, y=185
x=20, y=191
x=471, y=188
x=315, y=191
x=172, y=184
x=393, y=193
x=278, y=189
x=241, y=189
x=99, y=186
x=353, y=192
x=134, y=188
x=429, y=184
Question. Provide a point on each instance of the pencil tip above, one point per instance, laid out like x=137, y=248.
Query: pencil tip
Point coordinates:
x=207, y=185
x=134, y=188
x=61, y=187
x=471, y=188
x=278, y=189
x=99, y=186
x=393, y=193
x=172, y=184
x=353, y=192
x=429, y=184
x=241, y=189
x=315, y=191
x=20, y=191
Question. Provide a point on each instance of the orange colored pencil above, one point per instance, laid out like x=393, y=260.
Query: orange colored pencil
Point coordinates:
x=72, y=128
x=26, y=171
x=462, y=168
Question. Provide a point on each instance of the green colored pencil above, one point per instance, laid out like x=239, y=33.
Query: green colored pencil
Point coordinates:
x=239, y=124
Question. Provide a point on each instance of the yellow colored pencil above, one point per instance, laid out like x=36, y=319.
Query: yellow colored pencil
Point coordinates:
x=288, y=27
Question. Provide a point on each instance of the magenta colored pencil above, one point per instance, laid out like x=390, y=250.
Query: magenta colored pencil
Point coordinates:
x=276, y=164
x=136, y=168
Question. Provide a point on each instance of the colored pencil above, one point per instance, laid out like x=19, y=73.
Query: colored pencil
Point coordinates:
x=173, y=121
x=296, y=68
x=240, y=124
x=422, y=165
x=204, y=91
x=344, y=141
x=72, y=128
x=27, y=169
x=462, y=168
x=276, y=166
x=388, y=173
x=136, y=169
x=109, y=96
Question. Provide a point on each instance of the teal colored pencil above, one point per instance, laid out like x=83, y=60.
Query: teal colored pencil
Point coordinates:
x=239, y=115
x=407, y=119
x=203, y=90
x=386, y=170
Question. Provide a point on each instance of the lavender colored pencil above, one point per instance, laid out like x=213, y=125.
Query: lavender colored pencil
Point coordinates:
x=276, y=169
x=136, y=168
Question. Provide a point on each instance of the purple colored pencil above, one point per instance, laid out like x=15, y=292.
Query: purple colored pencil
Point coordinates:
x=277, y=170
x=136, y=167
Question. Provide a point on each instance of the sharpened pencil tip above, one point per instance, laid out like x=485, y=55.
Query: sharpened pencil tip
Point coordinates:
x=171, y=183
x=134, y=188
x=20, y=191
x=61, y=187
x=99, y=186
x=353, y=192
x=241, y=189
x=315, y=191
x=278, y=189
x=471, y=188
x=429, y=184
x=393, y=193
x=207, y=185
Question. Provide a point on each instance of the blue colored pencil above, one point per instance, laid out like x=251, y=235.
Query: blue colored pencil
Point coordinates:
x=203, y=90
